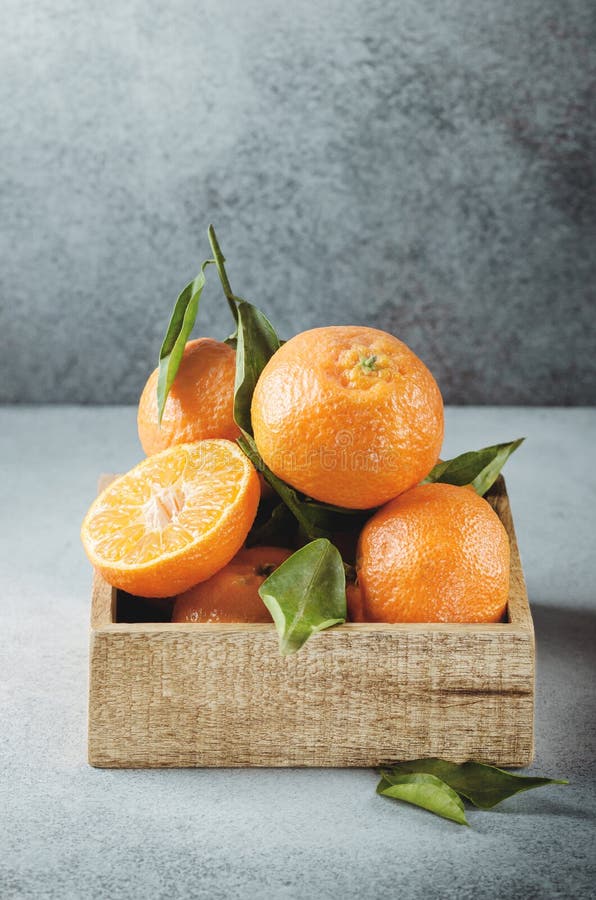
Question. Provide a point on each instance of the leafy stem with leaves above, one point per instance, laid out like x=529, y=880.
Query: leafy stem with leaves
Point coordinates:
x=256, y=341
x=480, y=468
x=438, y=785
x=219, y=260
x=177, y=333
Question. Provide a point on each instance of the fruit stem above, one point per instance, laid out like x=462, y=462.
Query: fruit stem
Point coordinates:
x=369, y=363
x=221, y=271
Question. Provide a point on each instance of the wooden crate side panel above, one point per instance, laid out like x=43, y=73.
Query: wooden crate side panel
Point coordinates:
x=174, y=699
x=518, y=607
x=103, y=602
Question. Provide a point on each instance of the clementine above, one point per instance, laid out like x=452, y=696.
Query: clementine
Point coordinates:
x=200, y=403
x=232, y=594
x=174, y=520
x=349, y=415
x=437, y=553
x=355, y=603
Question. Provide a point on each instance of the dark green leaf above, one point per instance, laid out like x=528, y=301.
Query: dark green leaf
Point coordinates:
x=256, y=342
x=426, y=791
x=383, y=783
x=306, y=518
x=177, y=334
x=480, y=468
x=336, y=518
x=482, y=785
x=315, y=519
x=254, y=339
x=219, y=260
x=277, y=528
x=306, y=594
x=342, y=512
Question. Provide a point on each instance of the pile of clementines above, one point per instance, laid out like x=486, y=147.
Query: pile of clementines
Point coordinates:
x=348, y=420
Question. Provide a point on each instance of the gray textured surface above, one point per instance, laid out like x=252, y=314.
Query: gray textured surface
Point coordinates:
x=427, y=167
x=70, y=831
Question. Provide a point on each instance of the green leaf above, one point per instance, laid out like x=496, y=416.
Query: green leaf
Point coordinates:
x=306, y=594
x=316, y=520
x=426, y=791
x=178, y=331
x=277, y=527
x=219, y=260
x=254, y=339
x=306, y=518
x=482, y=785
x=480, y=468
x=256, y=342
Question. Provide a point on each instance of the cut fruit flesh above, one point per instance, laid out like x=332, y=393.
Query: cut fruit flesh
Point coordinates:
x=173, y=520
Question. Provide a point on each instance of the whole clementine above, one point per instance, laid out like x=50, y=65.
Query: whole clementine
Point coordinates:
x=349, y=415
x=232, y=594
x=437, y=553
x=200, y=403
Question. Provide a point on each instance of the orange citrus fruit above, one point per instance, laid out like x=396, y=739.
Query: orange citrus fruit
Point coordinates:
x=232, y=594
x=437, y=553
x=200, y=403
x=355, y=603
x=174, y=520
x=349, y=415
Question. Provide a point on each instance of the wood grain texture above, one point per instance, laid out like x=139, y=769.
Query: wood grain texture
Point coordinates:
x=103, y=602
x=357, y=695
x=518, y=608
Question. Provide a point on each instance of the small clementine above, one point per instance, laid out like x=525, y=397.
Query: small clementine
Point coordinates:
x=200, y=403
x=437, y=553
x=355, y=603
x=232, y=594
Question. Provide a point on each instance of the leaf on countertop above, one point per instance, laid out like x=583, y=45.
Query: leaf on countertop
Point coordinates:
x=177, y=333
x=480, y=468
x=306, y=594
x=481, y=784
x=426, y=791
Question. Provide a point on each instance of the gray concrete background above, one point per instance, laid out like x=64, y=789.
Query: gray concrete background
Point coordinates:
x=70, y=832
x=425, y=167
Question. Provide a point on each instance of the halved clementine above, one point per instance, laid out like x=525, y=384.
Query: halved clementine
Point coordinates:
x=174, y=520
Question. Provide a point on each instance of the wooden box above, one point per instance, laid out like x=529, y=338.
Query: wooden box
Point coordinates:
x=164, y=694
